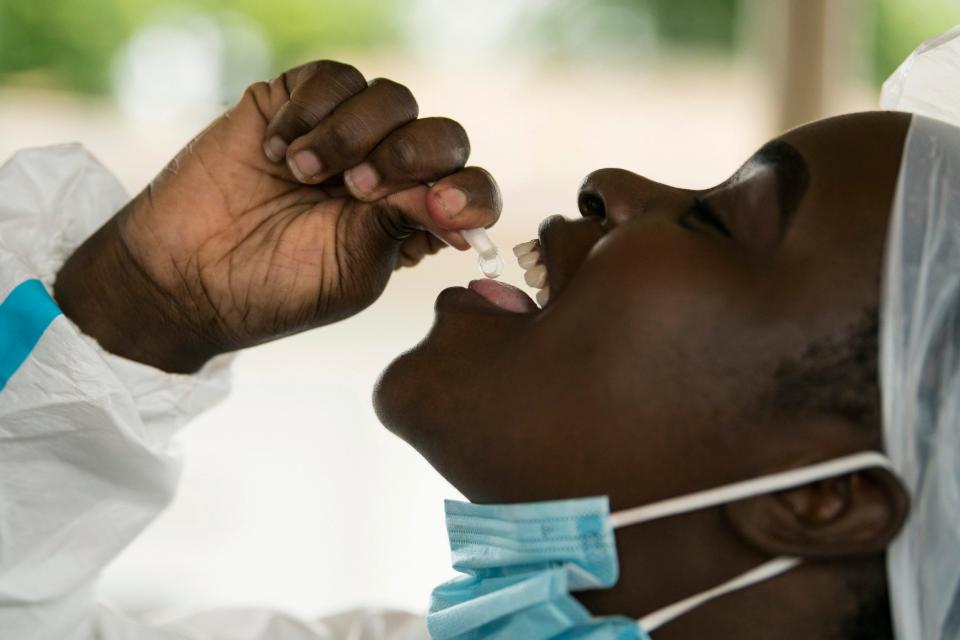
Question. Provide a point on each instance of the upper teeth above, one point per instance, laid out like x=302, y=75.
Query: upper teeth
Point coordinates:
x=536, y=276
x=530, y=258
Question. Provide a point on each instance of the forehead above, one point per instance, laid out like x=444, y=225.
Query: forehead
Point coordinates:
x=862, y=147
x=853, y=163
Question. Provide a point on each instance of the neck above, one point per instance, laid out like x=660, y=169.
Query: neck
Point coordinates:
x=665, y=562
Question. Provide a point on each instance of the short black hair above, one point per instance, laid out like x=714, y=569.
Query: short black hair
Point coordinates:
x=840, y=377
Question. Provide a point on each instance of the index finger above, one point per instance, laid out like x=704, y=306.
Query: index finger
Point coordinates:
x=467, y=199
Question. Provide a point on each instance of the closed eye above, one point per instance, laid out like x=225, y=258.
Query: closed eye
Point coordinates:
x=701, y=214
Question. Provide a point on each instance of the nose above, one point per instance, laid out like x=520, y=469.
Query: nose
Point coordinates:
x=617, y=195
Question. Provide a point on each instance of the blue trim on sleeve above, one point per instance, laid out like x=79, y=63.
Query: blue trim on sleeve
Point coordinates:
x=24, y=316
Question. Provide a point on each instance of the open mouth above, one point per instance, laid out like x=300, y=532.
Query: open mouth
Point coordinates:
x=510, y=298
x=549, y=262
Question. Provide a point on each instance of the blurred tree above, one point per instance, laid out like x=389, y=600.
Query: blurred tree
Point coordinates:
x=900, y=25
x=630, y=27
x=73, y=40
x=697, y=23
x=72, y=43
x=573, y=27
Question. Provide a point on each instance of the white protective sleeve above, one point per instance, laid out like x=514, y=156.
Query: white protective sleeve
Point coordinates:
x=87, y=453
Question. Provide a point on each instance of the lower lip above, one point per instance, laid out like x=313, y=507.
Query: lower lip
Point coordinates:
x=475, y=298
x=503, y=296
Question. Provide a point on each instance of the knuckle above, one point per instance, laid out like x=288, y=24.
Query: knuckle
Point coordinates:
x=488, y=186
x=290, y=79
x=345, y=137
x=344, y=75
x=397, y=94
x=258, y=91
x=259, y=94
x=481, y=175
x=302, y=113
x=459, y=142
x=403, y=155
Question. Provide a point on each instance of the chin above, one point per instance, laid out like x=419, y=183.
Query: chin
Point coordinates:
x=398, y=393
x=388, y=390
x=432, y=385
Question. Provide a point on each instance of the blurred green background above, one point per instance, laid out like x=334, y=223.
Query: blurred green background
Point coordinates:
x=74, y=44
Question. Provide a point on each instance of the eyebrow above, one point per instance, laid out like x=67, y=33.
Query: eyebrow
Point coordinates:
x=792, y=173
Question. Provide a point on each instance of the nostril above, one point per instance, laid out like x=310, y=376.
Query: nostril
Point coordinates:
x=591, y=205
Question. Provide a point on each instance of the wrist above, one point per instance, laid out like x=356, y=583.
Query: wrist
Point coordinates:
x=103, y=290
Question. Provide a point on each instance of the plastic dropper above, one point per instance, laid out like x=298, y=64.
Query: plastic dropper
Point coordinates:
x=490, y=262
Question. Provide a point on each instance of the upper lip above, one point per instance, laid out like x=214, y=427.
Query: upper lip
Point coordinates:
x=545, y=231
x=564, y=245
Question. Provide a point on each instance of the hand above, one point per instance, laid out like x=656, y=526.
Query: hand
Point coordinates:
x=289, y=212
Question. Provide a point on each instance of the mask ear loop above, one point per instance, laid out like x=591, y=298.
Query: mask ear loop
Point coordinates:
x=765, y=571
x=732, y=493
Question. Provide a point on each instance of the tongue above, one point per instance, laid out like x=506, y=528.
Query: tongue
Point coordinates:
x=503, y=295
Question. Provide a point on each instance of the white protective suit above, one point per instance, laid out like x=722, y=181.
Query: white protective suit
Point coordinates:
x=87, y=456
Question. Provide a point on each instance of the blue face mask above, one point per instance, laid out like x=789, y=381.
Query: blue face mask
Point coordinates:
x=523, y=561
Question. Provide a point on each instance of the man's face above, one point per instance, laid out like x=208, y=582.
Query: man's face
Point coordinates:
x=650, y=372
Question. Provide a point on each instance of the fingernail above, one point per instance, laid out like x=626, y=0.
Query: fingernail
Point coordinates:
x=363, y=178
x=275, y=148
x=452, y=201
x=305, y=165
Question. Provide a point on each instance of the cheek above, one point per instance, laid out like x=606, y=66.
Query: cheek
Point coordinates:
x=667, y=312
x=635, y=362
x=669, y=283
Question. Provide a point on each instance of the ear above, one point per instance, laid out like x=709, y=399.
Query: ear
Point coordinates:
x=855, y=514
